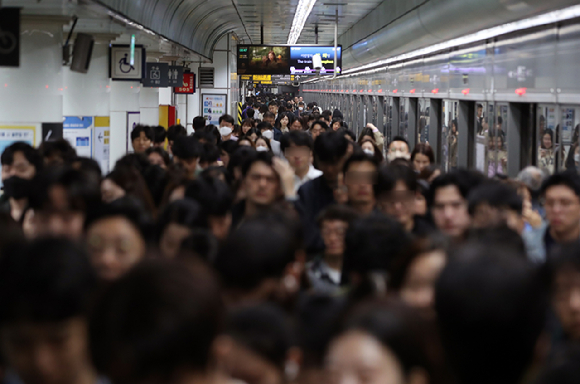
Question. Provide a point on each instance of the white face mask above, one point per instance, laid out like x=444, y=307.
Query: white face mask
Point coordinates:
x=369, y=151
x=262, y=149
x=268, y=134
x=225, y=131
x=301, y=108
x=397, y=155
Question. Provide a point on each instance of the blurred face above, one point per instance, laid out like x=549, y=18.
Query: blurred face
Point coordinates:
x=336, y=126
x=270, y=120
x=299, y=158
x=399, y=204
x=296, y=126
x=547, y=141
x=48, y=353
x=421, y=162
x=262, y=184
x=333, y=232
x=358, y=358
x=190, y=165
x=284, y=121
x=226, y=124
x=246, y=128
x=562, y=209
x=566, y=301
x=220, y=225
x=114, y=246
x=486, y=216
x=368, y=146
x=418, y=289
x=156, y=159
x=420, y=205
x=479, y=112
x=331, y=170
x=359, y=179
x=450, y=211
x=498, y=142
x=254, y=137
x=398, y=149
x=60, y=219
x=111, y=191
x=273, y=109
x=20, y=167
x=225, y=158
x=244, y=143
x=171, y=239
x=316, y=130
x=141, y=143
x=261, y=143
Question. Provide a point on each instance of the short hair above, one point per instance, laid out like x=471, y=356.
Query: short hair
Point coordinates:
x=259, y=157
x=239, y=157
x=160, y=134
x=268, y=115
x=227, y=119
x=337, y=212
x=213, y=195
x=359, y=156
x=389, y=175
x=161, y=152
x=186, y=212
x=157, y=319
x=485, y=298
x=569, y=178
x=198, y=122
x=210, y=153
x=274, y=103
x=186, y=147
x=399, y=138
x=175, y=131
x=326, y=114
x=322, y=124
x=423, y=149
x=128, y=208
x=463, y=179
x=261, y=126
x=46, y=280
x=296, y=138
x=497, y=195
x=330, y=147
x=147, y=130
x=249, y=121
x=60, y=147
x=30, y=153
x=88, y=165
x=229, y=146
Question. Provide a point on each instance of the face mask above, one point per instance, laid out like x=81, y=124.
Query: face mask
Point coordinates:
x=369, y=151
x=301, y=108
x=577, y=158
x=262, y=149
x=225, y=131
x=397, y=155
x=268, y=134
x=17, y=187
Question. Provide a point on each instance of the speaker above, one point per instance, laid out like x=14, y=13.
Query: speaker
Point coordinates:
x=82, y=53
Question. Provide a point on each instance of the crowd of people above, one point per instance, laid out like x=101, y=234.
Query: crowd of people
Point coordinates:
x=284, y=250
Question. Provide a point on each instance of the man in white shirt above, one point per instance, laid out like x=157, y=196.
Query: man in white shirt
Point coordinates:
x=297, y=149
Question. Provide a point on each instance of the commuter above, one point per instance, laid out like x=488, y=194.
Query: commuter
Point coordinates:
x=158, y=156
x=370, y=148
x=336, y=124
x=497, y=156
x=374, y=134
x=226, y=123
x=117, y=237
x=176, y=131
x=547, y=154
x=198, y=123
x=46, y=287
x=159, y=136
x=398, y=148
x=355, y=187
x=318, y=127
x=297, y=147
x=300, y=111
x=453, y=144
x=142, y=138
x=263, y=145
x=299, y=124
x=422, y=157
x=266, y=130
x=176, y=223
x=327, y=116
x=396, y=190
x=273, y=107
x=247, y=125
x=127, y=181
x=257, y=112
x=561, y=193
x=186, y=152
x=57, y=152
x=533, y=177
x=491, y=309
x=227, y=149
x=284, y=121
x=210, y=156
x=324, y=271
x=158, y=323
x=20, y=164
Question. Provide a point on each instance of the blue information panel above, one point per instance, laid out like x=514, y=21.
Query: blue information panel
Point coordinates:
x=301, y=59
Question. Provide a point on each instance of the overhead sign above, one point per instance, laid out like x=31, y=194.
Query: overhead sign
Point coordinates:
x=175, y=75
x=156, y=75
x=270, y=79
x=188, y=84
x=120, y=67
x=9, y=37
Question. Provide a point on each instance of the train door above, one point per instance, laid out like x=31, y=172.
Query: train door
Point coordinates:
x=570, y=126
x=423, y=134
x=497, y=143
x=404, y=117
x=450, y=135
x=481, y=144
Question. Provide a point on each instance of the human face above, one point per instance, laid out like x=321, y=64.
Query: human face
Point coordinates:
x=418, y=288
x=299, y=158
x=316, y=130
x=273, y=109
x=111, y=191
x=114, y=246
x=254, y=137
x=296, y=126
x=479, y=112
x=141, y=143
x=156, y=159
x=399, y=204
x=499, y=143
x=336, y=126
x=547, y=140
x=331, y=170
x=421, y=162
x=566, y=301
x=246, y=128
x=450, y=211
x=562, y=209
x=270, y=120
x=359, y=179
x=225, y=158
x=368, y=146
x=171, y=239
x=355, y=357
x=284, y=121
x=398, y=149
x=261, y=184
x=20, y=167
x=48, y=353
x=190, y=165
x=260, y=142
x=226, y=124
x=333, y=233
x=60, y=219
x=420, y=205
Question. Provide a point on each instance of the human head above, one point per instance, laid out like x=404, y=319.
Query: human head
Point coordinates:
x=186, y=152
x=330, y=150
x=254, y=133
x=360, y=175
x=547, y=139
x=159, y=135
x=175, y=224
x=226, y=121
x=46, y=287
x=57, y=152
x=370, y=148
x=396, y=189
x=142, y=137
x=298, y=124
x=210, y=155
x=561, y=193
x=422, y=156
x=317, y=128
x=20, y=161
x=126, y=180
x=327, y=116
x=494, y=204
x=260, y=181
x=263, y=144
x=270, y=117
x=198, y=123
x=158, y=156
x=398, y=148
x=532, y=177
x=247, y=125
x=479, y=110
x=336, y=124
x=333, y=223
x=176, y=131
x=156, y=322
x=297, y=149
x=487, y=297
x=265, y=130
x=273, y=108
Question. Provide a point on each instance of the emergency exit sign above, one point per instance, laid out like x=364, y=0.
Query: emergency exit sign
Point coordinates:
x=188, y=84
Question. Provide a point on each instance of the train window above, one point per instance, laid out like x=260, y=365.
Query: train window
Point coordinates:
x=450, y=135
x=570, y=122
x=496, y=138
x=404, y=117
x=481, y=137
x=389, y=113
x=374, y=111
x=549, y=148
x=423, y=134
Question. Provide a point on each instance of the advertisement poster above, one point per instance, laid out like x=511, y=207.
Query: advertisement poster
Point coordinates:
x=301, y=60
x=213, y=107
x=101, y=139
x=78, y=131
x=133, y=119
x=12, y=133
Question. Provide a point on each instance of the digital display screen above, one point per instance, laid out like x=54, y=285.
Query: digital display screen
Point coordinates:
x=301, y=60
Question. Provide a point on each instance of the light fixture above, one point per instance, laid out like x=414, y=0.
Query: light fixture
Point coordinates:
x=302, y=12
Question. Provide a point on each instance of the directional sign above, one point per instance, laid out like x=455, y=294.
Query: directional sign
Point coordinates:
x=175, y=75
x=156, y=75
x=9, y=37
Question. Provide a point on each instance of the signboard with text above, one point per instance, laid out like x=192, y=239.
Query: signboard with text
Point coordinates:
x=78, y=132
x=213, y=107
x=188, y=84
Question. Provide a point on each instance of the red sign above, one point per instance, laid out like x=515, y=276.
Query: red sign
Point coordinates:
x=188, y=84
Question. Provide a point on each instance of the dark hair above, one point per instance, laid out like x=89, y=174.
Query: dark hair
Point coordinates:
x=227, y=119
x=147, y=130
x=274, y=102
x=134, y=185
x=198, y=122
x=330, y=147
x=239, y=157
x=160, y=134
x=345, y=131
x=485, y=298
x=366, y=132
x=60, y=148
x=249, y=121
x=497, y=195
x=186, y=147
x=337, y=212
x=210, y=153
x=128, y=208
x=296, y=138
x=337, y=120
x=463, y=179
x=175, y=131
x=46, y=280
x=229, y=146
x=30, y=153
x=259, y=157
x=565, y=258
x=399, y=138
x=291, y=118
x=261, y=126
x=359, y=156
x=423, y=149
x=322, y=124
x=569, y=179
x=213, y=195
x=326, y=114
x=389, y=175
x=187, y=213
x=156, y=320
x=268, y=114
x=161, y=152
x=88, y=165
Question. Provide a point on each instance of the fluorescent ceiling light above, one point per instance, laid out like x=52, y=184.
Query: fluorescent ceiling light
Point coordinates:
x=302, y=12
